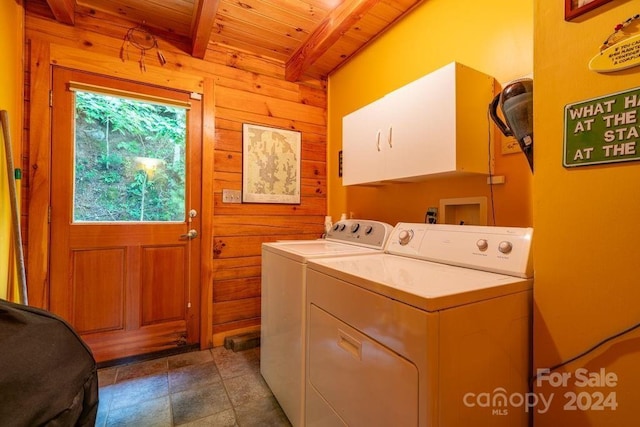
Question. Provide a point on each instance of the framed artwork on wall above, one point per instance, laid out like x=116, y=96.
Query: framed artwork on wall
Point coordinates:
x=270, y=165
x=575, y=8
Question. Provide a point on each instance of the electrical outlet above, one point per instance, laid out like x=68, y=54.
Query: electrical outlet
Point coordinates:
x=231, y=196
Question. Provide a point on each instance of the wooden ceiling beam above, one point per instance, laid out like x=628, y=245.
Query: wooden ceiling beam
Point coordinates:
x=328, y=32
x=203, y=26
x=63, y=10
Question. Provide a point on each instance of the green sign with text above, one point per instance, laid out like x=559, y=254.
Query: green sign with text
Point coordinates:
x=602, y=130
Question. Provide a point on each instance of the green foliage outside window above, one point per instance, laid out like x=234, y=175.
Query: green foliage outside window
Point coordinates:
x=129, y=160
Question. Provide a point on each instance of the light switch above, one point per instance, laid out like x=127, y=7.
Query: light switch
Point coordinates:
x=231, y=196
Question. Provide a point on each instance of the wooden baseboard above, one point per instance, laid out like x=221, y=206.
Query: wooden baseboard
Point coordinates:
x=218, y=339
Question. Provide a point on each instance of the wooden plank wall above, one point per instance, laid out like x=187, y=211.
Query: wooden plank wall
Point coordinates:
x=246, y=89
x=240, y=229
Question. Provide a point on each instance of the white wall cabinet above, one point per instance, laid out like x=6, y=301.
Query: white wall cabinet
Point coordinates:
x=435, y=125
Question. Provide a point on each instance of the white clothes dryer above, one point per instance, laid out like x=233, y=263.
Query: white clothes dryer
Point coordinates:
x=283, y=316
x=435, y=331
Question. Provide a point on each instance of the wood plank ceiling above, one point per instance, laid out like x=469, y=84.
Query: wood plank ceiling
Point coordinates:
x=309, y=37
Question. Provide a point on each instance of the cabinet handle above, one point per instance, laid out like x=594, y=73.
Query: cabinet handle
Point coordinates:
x=390, y=139
x=378, y=140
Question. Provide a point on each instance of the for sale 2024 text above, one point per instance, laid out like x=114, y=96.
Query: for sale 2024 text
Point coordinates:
x=595, y=392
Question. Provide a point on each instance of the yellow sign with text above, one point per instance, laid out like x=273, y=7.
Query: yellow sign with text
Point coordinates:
x=620, y=56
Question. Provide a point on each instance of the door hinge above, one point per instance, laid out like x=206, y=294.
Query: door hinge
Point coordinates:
x=50, y=98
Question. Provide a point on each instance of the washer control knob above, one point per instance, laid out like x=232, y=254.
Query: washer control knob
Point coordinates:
x=339, y=226
x=355, y=227
x=505, y=247
x=482, y=244
x=368, y=229
x=405, y=236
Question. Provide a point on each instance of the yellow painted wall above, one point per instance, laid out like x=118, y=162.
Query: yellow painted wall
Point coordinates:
x=495, y=37
x=586, y=219
x=11, y=29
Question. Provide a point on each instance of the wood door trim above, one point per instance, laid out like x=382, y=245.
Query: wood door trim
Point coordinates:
x=39, y=174
x=206, y=224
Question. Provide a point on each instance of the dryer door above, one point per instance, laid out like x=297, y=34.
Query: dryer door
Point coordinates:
x=364, y=382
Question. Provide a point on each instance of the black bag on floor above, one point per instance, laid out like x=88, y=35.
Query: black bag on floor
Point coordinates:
x=48, y=375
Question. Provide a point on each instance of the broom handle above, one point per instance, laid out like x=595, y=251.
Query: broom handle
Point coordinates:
x=15, y=214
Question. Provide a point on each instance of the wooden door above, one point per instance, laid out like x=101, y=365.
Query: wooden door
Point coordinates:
x=128, y=286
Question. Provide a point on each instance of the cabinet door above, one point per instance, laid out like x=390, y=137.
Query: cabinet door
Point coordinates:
x=363, y=136
x=421, y=118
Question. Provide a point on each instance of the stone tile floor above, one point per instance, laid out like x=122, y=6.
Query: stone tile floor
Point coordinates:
x=214, y=387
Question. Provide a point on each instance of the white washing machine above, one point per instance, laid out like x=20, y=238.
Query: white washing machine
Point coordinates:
x=283, y=316
x=435, y=331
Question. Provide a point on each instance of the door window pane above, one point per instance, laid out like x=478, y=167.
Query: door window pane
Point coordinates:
x=129, y=160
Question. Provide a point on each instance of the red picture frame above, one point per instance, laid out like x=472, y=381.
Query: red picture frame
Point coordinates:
x=575, y=8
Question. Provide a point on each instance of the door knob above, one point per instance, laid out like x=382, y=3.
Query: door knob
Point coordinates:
x=191, y=234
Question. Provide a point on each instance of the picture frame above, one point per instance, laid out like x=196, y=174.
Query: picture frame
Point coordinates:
x=271, y=164
x=575, y=8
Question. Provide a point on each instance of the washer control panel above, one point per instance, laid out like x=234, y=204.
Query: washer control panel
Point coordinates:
x=505, y=250
x=362, y=232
